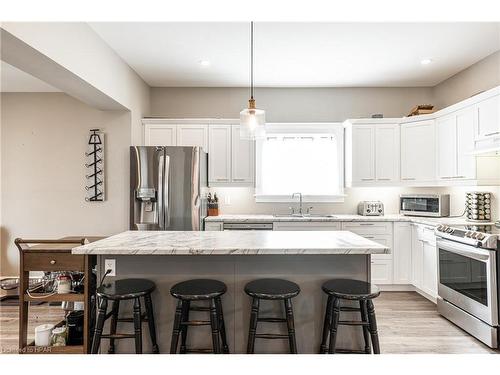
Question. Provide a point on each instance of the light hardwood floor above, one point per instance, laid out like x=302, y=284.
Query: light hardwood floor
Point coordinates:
x=408, y=323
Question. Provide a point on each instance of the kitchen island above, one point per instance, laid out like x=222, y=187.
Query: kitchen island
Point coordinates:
x=237, y=257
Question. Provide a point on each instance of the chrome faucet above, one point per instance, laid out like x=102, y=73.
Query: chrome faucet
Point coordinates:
x=300, y=201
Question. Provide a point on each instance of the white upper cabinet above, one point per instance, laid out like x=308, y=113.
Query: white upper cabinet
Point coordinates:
x=466, y=161
x=372, y=152
x=387, y=152
x=219, y=154
x=193, y=135
x=160, y=135
x=446, y=150
x=363, y=153
x=488, y=118
x=418, y=152
x=242, y=158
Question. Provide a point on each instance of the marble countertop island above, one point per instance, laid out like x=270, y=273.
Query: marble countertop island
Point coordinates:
x=233, y=243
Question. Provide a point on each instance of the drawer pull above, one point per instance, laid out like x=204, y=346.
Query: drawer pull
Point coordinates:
x=366, y=224
x=369, y=237
x=490, y=134
x=52, y=262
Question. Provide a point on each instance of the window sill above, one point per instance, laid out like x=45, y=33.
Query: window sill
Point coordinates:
x=305, y=199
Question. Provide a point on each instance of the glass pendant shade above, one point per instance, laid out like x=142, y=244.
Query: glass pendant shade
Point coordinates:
x=252, y=121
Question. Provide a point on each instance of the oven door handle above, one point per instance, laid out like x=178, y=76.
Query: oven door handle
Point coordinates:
x=465, y=250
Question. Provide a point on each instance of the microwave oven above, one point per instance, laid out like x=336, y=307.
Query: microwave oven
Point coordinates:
x=432, y=205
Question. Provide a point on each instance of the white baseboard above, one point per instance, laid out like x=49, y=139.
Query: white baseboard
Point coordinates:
x=396, y=287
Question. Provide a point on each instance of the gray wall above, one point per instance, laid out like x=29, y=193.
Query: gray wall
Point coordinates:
x=481, y=76
x=44, y=138
x=288, y=104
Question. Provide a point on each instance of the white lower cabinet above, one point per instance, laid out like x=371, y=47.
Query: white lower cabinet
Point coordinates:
x=424, y=260
x=380, y=232
x=402, y=253
x=429, y=280
x=381, y=271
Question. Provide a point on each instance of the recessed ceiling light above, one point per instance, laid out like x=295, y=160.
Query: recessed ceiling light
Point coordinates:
x=204, y=62
x=425, y=61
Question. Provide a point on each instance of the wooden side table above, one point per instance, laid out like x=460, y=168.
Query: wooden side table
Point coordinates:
x=54, y=255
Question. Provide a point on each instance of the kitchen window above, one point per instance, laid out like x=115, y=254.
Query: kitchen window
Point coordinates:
x=305, y=158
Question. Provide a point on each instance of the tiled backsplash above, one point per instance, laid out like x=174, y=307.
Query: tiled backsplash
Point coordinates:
x=241, y=201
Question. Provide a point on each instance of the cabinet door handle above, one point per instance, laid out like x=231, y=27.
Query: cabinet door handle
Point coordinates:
x=366, y=224
x=490, y=134
x=222, y=179
x=52, y=262
x=448, y=177
x=408, y=178
x=367, y=179
x=369, y=237
x=383, y=179
x=238, y=179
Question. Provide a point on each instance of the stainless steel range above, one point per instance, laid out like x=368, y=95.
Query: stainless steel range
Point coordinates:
x=468, y=270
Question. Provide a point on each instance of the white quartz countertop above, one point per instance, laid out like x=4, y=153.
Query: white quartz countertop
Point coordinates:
x=232, y=243
x=253, y=218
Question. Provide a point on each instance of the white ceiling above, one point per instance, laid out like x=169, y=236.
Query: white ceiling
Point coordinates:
x=300, y=54
x=15, y=80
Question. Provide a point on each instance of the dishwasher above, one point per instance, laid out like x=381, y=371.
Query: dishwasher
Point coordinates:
x=248, y=226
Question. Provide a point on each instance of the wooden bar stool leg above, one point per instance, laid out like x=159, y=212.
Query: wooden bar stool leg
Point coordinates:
x=176, y=328
x=222, y=326
x=101, y=317
x=151, y=322
x=184, y=328
x=366, y=330
x=137, y=326
x=323, y=349
x=373, y=326
x=334, y=324
x=114, y=322
x=214, y=323
x=291, y=326
x=254, y=315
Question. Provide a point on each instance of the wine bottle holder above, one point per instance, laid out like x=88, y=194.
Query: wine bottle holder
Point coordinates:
x=95, y=167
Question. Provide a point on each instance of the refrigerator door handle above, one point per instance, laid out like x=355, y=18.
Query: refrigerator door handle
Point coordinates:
x=160, y=198
x=166, y=190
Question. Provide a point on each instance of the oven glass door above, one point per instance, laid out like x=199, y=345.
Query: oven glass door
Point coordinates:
x=465, y=275
x=467, y=278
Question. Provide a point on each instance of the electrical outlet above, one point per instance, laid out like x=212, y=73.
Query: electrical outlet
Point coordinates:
x=110, y=264
x=227, y=200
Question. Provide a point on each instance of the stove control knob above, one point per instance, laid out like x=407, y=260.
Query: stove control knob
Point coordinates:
x=440, y=228
x=480, y=236
x=474, y=235
x=468, y=234
x=449, y=230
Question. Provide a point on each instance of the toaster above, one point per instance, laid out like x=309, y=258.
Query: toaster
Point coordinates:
x=371, y=208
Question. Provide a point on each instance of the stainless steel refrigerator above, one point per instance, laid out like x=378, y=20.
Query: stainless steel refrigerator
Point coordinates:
x=168, y=188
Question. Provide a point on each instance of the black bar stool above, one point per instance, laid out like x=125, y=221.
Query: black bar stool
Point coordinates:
x=121, y=290
x=353, y=290
x=199, y=290
x=271, y=289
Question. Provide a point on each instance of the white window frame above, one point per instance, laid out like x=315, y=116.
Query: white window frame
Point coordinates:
x=335, y=129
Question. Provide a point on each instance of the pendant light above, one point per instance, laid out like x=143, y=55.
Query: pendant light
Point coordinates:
x=252, y=120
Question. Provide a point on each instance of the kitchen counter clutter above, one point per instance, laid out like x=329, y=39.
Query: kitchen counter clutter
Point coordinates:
x=232, y=243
